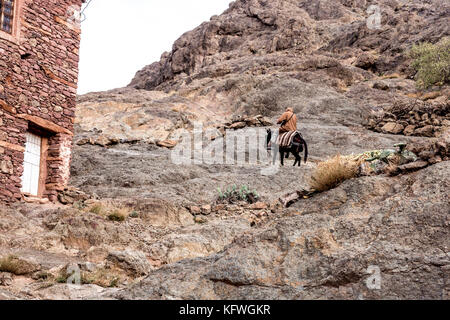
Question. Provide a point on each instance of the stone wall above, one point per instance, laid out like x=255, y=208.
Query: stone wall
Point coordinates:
x=38, y=84
x=412, y=119
x=59, y=156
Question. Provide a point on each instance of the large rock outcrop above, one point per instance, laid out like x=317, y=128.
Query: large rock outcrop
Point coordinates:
x=255, y=36
x=259, y=57
x=331, y=247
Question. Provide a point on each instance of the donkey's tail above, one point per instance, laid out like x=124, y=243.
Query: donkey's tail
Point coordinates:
x=306, y=150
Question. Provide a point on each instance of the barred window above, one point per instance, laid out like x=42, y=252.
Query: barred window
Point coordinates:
x=6, y=15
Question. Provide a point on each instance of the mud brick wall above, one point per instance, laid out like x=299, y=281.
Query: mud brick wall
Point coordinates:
x=38, y=84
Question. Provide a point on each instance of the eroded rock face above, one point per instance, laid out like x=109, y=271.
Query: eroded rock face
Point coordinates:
x=260, y=57
x=41, y=243
x=272, y=33
x=134, y=262
x=329, y=248
x=127, y=116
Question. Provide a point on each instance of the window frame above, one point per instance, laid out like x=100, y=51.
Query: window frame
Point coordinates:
x=14, y=36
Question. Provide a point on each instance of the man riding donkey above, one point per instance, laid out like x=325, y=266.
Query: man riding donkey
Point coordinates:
x=289, y=140
x=288, y=121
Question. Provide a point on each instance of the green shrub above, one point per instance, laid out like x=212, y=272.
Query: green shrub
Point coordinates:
x=432, y=63
x=234, y=194
x=134, y=214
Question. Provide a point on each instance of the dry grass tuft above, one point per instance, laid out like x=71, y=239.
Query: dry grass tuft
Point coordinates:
x=9, y=264
x=14, y=265
x=119, y=214
x=111, y=212
x=97, y=208
x=332, y=172
x=103, y=277
x=391, y=76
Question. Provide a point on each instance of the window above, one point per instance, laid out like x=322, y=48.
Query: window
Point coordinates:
x=7, y=15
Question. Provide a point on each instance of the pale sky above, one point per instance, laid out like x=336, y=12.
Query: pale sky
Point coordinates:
x=119, y=37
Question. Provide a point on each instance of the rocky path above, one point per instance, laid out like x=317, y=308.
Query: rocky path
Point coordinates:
x=144, y=171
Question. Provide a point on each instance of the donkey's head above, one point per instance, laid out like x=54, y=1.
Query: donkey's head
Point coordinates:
x=269, y=136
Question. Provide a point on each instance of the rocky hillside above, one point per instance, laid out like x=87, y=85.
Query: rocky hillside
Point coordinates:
x=323, y=249
x=295, y=38
x=351, y=87
x=260, y=57
x=139, y=226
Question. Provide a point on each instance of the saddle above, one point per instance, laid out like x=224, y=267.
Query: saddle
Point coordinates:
x=287, y=139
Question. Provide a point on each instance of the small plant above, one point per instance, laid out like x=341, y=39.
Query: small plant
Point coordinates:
x=61, y=279
x=332, y=172
x=234, y=194
x=63, y=276
x=9, y=264
x=79, y=205
x=15, y=265
x=134, y=214
x=432, y=63
x=114, y=283
x=112, y=212
x=103, y=277
x=96, y=209
x=119, y=215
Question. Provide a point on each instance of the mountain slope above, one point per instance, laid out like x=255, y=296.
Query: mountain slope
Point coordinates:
x=258, y=36
x=329, y=248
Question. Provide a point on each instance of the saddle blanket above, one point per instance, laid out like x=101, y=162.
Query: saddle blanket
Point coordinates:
x=285, y=140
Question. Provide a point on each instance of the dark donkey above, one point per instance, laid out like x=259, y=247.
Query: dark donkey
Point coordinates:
x=298, y=145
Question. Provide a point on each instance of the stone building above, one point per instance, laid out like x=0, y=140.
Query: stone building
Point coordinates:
x=39, y=44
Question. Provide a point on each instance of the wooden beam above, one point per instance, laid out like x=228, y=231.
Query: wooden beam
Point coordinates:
x=43, y=167
x=67, y=24
x=45, y=124
x=7, y=107
x=11, y=146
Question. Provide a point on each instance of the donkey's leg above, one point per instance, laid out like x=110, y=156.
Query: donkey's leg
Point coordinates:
x=274, y=153
x=298, y=159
